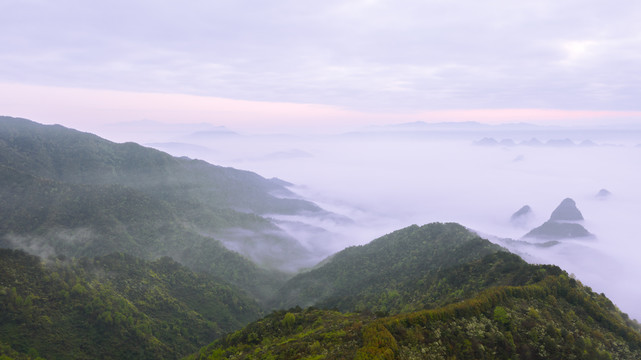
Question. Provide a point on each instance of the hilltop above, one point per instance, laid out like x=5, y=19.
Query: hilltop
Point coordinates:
x=436, y=291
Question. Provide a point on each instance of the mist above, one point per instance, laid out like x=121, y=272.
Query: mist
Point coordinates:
x=385, y=179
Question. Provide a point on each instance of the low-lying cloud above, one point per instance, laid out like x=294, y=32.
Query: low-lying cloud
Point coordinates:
x=385, y=182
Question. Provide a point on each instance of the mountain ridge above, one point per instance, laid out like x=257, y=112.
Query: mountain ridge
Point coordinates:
x=541, y=313
x=141, y=201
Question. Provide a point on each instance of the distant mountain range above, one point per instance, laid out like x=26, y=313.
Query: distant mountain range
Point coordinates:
x=534, y=142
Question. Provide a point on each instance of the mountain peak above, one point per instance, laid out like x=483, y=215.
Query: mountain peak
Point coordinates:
x=566, y=211
x=603, y=194
x=521, y=216
x=563, y=223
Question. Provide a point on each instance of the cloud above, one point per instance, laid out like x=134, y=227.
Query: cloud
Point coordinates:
x=51, y=243
x=385, y=181
x=382, y=55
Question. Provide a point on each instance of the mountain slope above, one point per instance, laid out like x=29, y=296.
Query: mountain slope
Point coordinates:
x=46, y=217
x=454, y=295
x=72, y=193
x=555, y=318
x=113, y=307
x=410, y=269
x=70, y=156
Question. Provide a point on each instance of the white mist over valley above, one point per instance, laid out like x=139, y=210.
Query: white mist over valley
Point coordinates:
x=381, y=179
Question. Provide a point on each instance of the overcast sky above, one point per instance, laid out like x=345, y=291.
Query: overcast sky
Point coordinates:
x=399, y=58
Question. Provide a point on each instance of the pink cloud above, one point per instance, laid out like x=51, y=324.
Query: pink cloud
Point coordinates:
x=86, y=108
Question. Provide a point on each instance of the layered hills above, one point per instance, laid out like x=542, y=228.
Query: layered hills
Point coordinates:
x=71, y=193
x=410, y=269
x=436, y=292
x=131, y=266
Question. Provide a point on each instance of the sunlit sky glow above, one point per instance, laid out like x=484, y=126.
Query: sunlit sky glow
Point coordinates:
x=82, y=108
x=261, y=65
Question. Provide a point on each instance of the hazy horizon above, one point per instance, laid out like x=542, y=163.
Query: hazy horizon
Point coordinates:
x=313, y=66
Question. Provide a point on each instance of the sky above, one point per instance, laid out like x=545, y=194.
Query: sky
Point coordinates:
x=272, y=64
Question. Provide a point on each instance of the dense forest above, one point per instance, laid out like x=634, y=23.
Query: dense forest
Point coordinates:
x=112, y=251
x=436, y=292
x=409, y=269
x=555, y=318
x=70, y=193
x=116, y=306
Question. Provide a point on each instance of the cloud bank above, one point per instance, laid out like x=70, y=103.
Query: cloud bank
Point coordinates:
x=360, y=54
x=387, y=180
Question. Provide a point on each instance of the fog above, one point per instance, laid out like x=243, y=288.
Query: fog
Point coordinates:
x=385, y=179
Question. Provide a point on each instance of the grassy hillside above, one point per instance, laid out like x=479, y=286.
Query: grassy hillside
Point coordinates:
x=113, y=307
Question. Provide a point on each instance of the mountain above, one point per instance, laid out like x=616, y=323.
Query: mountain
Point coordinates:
x=65, y=155
x=532, y=142
x=566, y=211
x=603, y=194
x=71, y=193
x=556, y=318
x=521, y=216
x=552, y=230
x=564, y=223
x=560, y=142
x=490, y=304
x=410, y=269
x=113, y=307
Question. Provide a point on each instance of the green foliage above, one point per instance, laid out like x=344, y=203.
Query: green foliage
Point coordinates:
x=70, y=193
x=289, y=320
x=411, y=269
x=113, y=307
x=504, y=322
x=501, y=316
x=378, y=343
x=315, y=334
x=70, y=156
x=477, y=301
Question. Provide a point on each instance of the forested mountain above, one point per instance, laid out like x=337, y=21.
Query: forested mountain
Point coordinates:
x=554, y=318
x=453, y=294
x=410, y=269
x=66, y=155
x=113, y=307
x=72, y=193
